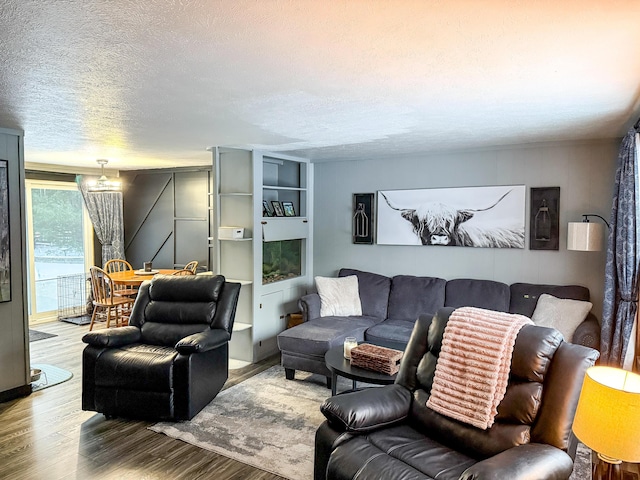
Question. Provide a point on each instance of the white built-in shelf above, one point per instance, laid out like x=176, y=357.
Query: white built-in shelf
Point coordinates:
x=239, y=326
x=235, y=239
x=241, y=282
x=275, y=187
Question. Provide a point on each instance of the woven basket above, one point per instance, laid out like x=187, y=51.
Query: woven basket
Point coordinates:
x=378, y=359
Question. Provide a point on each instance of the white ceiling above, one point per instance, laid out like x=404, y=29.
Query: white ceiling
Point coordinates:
x=152, y=83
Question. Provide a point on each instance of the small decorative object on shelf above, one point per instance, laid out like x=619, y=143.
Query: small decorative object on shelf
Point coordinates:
x=277, y=208
x=289, y=211
x=376, y=358
x=231, y=233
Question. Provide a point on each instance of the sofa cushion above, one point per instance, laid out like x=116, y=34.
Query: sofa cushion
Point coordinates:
x=317, y=336
x=390, y=333
x=560, y=313
x=524, y=296
x=338, y=296
x=151, y=370
x=374, y=292
x=396, y=452
x=464, y=292
x=412, y=296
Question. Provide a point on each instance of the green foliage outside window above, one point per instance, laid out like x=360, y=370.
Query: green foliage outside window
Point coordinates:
x=57, y=220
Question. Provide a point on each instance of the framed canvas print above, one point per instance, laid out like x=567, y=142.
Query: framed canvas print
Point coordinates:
x=544, y=221
x=266, y=211
x=5, y=253
x=289, y=211
x=490, y=217
x=277, y=208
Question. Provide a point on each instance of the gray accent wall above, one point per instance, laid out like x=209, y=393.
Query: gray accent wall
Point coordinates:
x=167, y=217
x=584, y=171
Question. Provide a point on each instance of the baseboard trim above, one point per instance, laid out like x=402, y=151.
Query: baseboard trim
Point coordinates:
x=14, y=393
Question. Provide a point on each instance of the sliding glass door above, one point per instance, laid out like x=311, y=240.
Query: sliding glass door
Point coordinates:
x=60, y=242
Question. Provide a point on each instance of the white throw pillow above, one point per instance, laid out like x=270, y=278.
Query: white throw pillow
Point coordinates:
x=562, y=314
x=339, y=296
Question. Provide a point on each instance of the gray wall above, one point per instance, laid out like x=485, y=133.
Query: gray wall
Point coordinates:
x=14, y=339
x=584, y=172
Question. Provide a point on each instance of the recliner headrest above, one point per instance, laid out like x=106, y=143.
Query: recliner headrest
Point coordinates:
x=192, y=288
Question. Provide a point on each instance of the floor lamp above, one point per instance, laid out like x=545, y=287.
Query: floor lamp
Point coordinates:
x=608, y=419
x=586, y=236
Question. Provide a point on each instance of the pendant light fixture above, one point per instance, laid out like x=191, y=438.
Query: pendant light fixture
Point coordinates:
x=103, y=184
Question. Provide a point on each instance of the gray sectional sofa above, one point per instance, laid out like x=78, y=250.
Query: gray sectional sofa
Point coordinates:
x=391, y=306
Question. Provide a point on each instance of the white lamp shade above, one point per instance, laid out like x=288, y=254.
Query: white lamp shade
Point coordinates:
x=608, y=414
x=585, y=236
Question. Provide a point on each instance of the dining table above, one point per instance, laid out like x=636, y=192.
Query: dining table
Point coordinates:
x=134, y=278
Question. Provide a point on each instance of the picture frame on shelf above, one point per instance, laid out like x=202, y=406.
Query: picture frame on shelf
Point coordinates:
x=266, y=211
x=277, y=208
x=289, y=210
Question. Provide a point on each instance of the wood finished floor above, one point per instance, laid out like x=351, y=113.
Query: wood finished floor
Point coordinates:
x=47, y=435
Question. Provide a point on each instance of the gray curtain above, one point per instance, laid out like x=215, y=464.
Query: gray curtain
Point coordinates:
x=621, y=271
x=105, y=212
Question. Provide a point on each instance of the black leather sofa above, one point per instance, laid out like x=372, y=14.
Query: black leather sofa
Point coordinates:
x=172, y=359
x=389, y=432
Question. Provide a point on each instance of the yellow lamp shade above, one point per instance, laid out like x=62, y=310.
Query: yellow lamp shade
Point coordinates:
x=608, y=415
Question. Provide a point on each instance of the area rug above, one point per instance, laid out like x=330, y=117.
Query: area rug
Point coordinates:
x=49, y=377
x=582, y=463
x=270, y=423
x=266, y=421
x=35, y=335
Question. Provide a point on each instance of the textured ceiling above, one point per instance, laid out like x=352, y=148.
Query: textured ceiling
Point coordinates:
x=152, y=83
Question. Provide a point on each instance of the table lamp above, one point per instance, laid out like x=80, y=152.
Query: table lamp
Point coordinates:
x=607, y=418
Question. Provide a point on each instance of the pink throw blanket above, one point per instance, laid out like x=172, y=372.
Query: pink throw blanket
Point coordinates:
x=473, y=368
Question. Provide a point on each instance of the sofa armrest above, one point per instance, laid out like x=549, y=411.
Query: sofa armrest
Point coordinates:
x=113, y=337
x=203, y=341
x=588, y=333
x=533, y=460
x=310, y=306
x=366, y=410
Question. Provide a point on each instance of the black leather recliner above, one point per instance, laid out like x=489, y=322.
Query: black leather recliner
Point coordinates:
x=390, y=433
x=172, y=359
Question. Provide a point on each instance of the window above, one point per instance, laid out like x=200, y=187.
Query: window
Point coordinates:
x=59, y=242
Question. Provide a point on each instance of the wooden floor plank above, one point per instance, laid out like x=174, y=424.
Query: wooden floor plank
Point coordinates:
x=48, y=436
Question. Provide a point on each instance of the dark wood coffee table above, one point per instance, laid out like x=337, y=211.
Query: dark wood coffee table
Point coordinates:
x=340, y=366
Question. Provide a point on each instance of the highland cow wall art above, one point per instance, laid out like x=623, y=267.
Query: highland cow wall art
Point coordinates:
x=490, y=217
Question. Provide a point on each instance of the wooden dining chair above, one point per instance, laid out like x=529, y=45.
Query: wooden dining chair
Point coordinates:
x=105, y=302
x=193, y=266
x=119, y=265
x=182, y=272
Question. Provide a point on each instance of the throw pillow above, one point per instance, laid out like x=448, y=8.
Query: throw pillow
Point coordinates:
x=562, y=314
x=339, y=296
